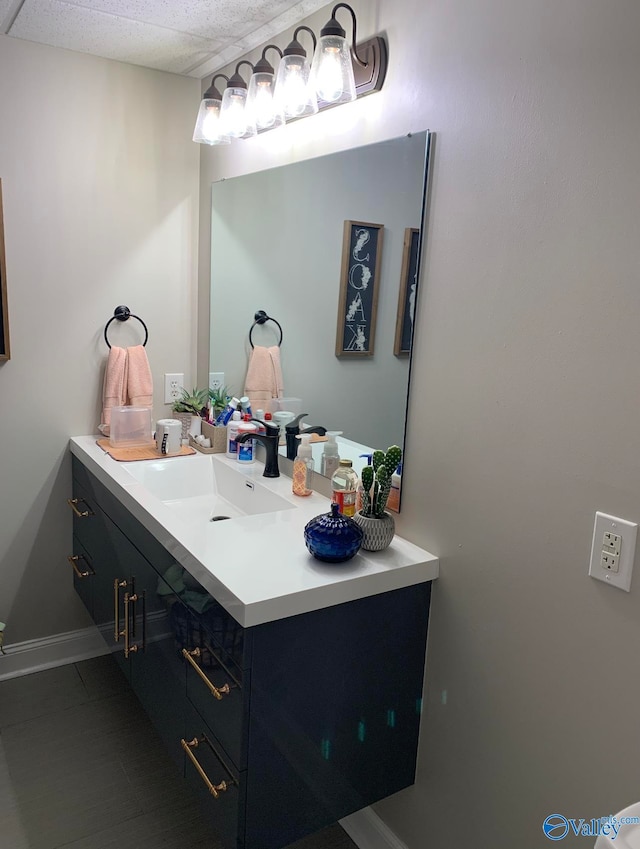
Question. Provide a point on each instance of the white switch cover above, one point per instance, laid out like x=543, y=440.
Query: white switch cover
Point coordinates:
x=613, y=550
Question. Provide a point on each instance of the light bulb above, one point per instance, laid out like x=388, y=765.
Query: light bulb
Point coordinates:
x=235, y=124
x=263, y=106
x=329, y=80
x=294, y=96
x=211, y=125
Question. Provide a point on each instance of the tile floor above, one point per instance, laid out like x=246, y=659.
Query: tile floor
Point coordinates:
x=81, y=767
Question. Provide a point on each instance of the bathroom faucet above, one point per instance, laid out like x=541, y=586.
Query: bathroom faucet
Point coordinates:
x=293, y=429
x=270, y=441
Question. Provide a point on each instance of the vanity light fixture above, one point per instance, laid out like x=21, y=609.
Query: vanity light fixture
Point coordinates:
x=208, y=129
x=237, y=123
x=294, y=94
x=338, y=74
x=261, y=103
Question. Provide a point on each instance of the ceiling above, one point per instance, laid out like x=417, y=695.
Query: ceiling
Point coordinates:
x=190, y=37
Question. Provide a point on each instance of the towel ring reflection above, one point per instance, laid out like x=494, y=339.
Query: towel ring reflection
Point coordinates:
x=123, y=313
x=261, y=318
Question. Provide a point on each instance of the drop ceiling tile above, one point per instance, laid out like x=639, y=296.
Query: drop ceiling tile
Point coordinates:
x=6, y=6
x=117, y=37
x=229, y=19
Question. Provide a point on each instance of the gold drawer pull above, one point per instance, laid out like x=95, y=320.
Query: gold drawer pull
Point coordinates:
x=214, y=789
x=217, y=692
x=74, y=562
x=117, y=633
x=82, y=514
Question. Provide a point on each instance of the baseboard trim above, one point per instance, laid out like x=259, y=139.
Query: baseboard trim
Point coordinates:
x=47, y=652
x=368, y=831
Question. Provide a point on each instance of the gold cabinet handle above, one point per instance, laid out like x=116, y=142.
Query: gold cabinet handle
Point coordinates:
x=117, y=584
x=74, y=560
x=81, y=514
x=214, y=789
x=130, y=600
x=217, y=692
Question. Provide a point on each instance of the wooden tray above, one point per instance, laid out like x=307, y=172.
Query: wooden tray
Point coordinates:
x=139, y=452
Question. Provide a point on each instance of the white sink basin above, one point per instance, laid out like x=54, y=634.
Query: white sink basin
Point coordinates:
x=201, y=489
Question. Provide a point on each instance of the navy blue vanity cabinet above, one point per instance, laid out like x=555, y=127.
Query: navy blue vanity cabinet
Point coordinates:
x=282, y=728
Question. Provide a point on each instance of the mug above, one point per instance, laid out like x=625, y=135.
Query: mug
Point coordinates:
x=168, y=436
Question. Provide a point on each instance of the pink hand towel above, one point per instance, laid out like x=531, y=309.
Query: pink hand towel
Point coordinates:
x=114, y=390
x=139, y=380
x=264, y=374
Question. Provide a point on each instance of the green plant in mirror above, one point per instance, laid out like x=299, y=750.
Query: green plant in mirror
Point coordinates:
x=219, y=398
x=376, y=481
x=191, y=402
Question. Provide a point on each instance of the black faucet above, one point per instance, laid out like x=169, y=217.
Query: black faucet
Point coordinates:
x=270, y=441
x=293, y=429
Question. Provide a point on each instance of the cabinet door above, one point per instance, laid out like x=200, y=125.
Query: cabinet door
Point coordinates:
x=151, y=617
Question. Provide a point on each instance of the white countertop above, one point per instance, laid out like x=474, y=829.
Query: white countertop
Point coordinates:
x=257, y=567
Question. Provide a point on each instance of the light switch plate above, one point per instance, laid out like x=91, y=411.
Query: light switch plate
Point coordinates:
x=613, y=550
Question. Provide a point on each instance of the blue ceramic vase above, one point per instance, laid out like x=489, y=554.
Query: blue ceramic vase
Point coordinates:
x=332, y=537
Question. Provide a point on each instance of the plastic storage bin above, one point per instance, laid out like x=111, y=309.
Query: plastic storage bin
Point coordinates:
x=130, y=426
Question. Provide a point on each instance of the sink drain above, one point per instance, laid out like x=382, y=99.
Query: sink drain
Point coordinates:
x=218, y=518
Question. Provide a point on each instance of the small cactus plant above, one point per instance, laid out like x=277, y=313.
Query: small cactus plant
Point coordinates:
x=376, y=481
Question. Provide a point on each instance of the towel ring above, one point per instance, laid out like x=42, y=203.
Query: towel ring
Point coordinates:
x=123, y=313
x=261, y=318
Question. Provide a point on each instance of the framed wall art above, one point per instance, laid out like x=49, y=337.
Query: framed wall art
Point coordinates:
x=407, y=293
x=359, y=280
x=4, y=315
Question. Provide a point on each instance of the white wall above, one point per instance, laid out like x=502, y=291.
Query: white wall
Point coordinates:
x=100, y=186
x=524, y=418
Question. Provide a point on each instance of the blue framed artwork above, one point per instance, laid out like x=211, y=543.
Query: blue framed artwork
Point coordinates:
x=359, y=280
x=407, y=293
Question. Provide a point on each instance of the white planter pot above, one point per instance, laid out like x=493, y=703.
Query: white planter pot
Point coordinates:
x=377, y=533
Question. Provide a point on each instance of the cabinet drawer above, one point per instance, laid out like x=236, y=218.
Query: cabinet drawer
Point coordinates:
x=83, y=574
x=219, y=696
x=207, y=766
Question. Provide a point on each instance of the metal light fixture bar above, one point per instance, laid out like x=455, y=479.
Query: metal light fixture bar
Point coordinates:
x=352, y=72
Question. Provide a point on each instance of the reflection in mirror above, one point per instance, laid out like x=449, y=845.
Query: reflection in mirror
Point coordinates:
x=277, y=245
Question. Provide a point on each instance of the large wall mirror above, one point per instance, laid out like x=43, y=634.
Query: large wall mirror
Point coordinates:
x=277, y=245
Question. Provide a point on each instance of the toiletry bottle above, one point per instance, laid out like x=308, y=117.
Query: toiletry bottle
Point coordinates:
x=343, y=488
x=228, y=411
x=302, y=467
x=246, y=406
x=232, y=432
x=393, y=501
x=330, y=457
x=246, y=450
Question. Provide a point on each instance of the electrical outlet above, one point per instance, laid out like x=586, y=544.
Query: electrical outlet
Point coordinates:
x=216, y=380
x=173, y=384
x=613, y=549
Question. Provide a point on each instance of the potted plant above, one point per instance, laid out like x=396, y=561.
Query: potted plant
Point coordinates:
x=190, y=405
x=219, y=398
x=377, y=525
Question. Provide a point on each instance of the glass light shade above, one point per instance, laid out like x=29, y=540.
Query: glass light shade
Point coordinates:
x=293, y=93
x=236, y=121
x=332, y=70
x=208, y=129
x=262, y=107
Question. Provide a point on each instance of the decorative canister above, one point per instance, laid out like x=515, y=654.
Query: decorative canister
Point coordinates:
x=332, y=537
x=377, y=532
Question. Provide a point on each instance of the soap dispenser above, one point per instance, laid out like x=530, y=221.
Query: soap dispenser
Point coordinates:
x=292, y=429
x=302, y=467
x=330, y=456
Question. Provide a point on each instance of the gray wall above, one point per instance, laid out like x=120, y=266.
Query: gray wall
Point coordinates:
x=524, y=416
x=100, y=187
x=277, y=245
